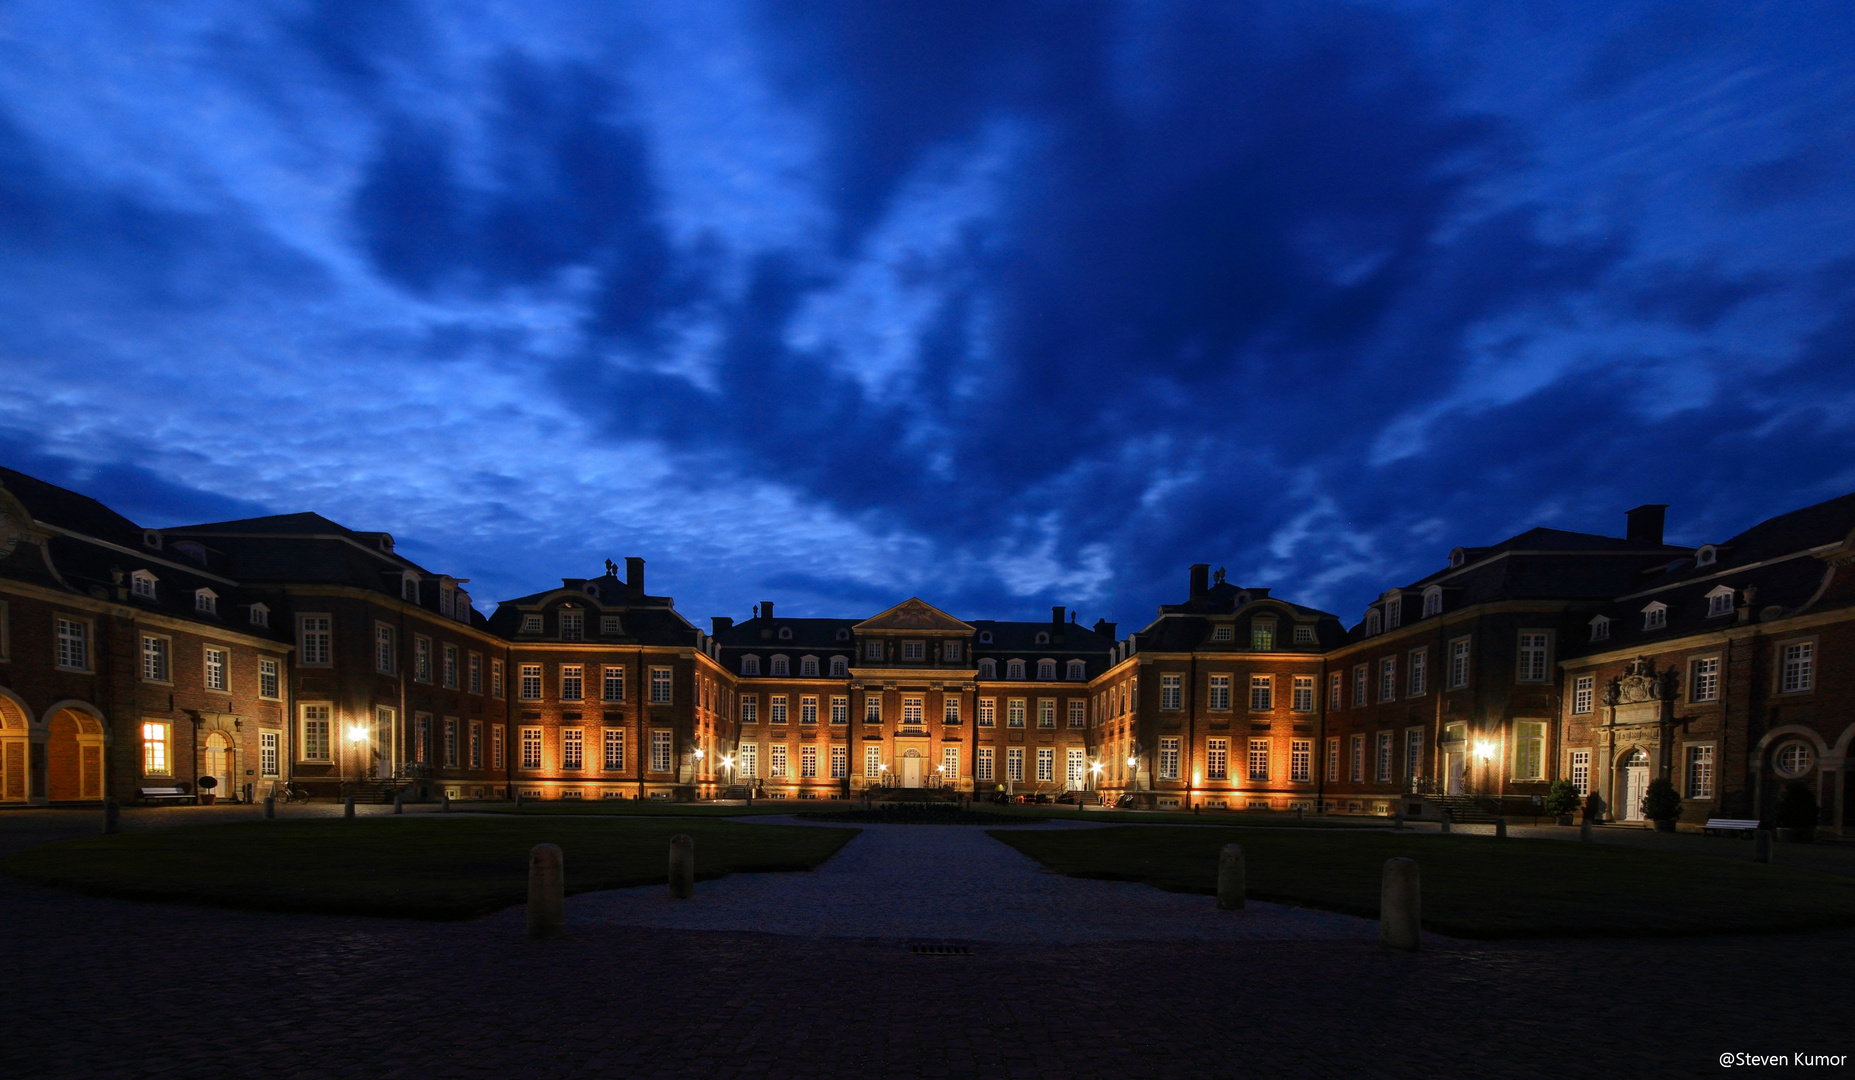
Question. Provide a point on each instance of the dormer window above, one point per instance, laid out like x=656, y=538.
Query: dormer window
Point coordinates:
x=1046, y=670
x=142, y=583
x=1372, y=622
x=1706, y=555
x=808, y=667
x=590, y=589
x=1078, y=671
x=988, y=669
x=1432, y=602
x=610, y=626
x=1457, y=558
x=196, y=552
x=1655, y=616
x=1304, y=635
x=206, y=601
x=260, y=615
x=1242, y=599
x=750, y=665
x=1720, y=601
x=572, y=626
x=1600, y=629
x=840, y=666
x=409, y=588
x=531, y=624
x=1262, y=635
x=872, y=650
x=1014, y=669
x=785, y=633
x=1223, y=632
x=985, y=637
x=950, y=650
x=843, y=634
x=460, y=606
x=914, y=650
x=780, y=666
x=386, y=543
x=151, y=539
x=1043, y=637
x=1394, y=610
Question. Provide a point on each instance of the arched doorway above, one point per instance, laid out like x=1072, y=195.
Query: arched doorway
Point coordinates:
x=74, y=757
x=1633, y=783
x=911, y=768
x=218, y=763
x=15, y=748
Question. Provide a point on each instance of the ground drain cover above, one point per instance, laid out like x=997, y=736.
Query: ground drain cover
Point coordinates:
x=939, y=950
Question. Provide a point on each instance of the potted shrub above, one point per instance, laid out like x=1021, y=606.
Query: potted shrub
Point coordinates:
x=207, y=784
x=1562, y=800
x=1797, y=813
x=1662, y=804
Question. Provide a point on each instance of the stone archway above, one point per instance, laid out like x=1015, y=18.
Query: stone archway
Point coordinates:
x=15, y=751
x=74, y=757
x=218, y=762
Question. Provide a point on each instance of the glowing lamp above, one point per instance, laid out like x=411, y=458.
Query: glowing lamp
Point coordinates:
x=357, y=734
x=1484, y=749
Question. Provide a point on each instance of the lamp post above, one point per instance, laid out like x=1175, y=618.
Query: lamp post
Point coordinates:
x=727, y=762
x=358, y=736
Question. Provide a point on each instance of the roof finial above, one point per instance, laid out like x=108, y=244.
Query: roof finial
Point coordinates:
x=611, y=569
x=1220, y=575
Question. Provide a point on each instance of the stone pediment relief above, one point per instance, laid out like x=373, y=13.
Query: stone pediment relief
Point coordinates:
x=914, y=614
x=1641, y=682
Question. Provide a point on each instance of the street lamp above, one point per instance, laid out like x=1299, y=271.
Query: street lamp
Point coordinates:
x=358, y=736
x=727, y=762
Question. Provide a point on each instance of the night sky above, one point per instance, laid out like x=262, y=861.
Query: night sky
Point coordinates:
x=1003, y=305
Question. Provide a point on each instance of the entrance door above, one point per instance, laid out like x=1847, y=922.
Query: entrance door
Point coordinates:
x=219, y=763
x=1635, y=785
x=1454, y=762
x=911, y=769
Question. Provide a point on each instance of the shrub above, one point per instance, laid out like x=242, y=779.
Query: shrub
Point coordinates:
x=1562, y=798
x=1662, y=802
x=1797, y=806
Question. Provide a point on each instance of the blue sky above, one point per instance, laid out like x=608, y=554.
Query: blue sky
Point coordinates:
x=1001, y=305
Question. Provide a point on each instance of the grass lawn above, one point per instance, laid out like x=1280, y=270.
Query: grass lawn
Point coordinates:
x=1473, y=886
x=646, y=808
x=413, y=866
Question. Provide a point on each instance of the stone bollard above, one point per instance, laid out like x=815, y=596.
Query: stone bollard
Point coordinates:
x=518, y=799
x=444, y=801
x=270, y=806
x=682, y=867
x=1761, y=846
x=1297, y=813
x=1500, y=828
x=1400, y=906
x=347, y=807
x=547, y=905
x=1397, y=819
x=399, y=802
x=1231, y=878
x=112, y=816
x=1584, y=829
x=1447, y=820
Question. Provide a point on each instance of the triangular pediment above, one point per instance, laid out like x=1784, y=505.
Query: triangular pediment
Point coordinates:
x=914, y=614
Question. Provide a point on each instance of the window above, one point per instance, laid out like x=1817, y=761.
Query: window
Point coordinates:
x=73, y=644
x=1797, y=670
x=1014, y=712
x=1420, y=671
x=1529, y=750
x=950, y=710
x=1600, y=628
x=660, y=751
x=1077, y=671
x=1432, y=602
x=1170, y=692
x=1301, y=760
x=528, y=682
x=1259, y=759
x=1223, y=632
x=750, y=665
x=421, y=737
x=474, y=673
x=1532, y=657
x=1358, y=759
x=776, y=708
x=614, y=748
x=450, y=742
x=1043, y=637
x=988, y=715
x=1704, y=679
x=660, y=686
x=572, y=626
x=808, y=761
x=1793, y=759
x=1217, y=759
x=808, y=710
x=1333, y=691
x=785, y=633
x=1077, y=713
x=609, y=626
x=1394, y=611
x=422, y=659
x=911, y=711
x=840, y=667
x=950, y=650
x=1046, y=670
x=384, y=651
x=142, y=583
x=1720, y=601
x=215, y=668
x=914, y=650
x=531, y=748
x=572, y=682
x=270, y=686
x=950, y=763
x=1413, y=753
x=1333, y=761
x=205, y=601
x=612, y=685
x=155, y=755
x=1371, y=622
x=872, y=650
x=1262, y=693
x=496, y=747
x=1304, y=635
x=776, y=764
x=1584, y=694
x=1384, y=757
x=1303, y=700
x=1458, y=663
x=531, y=624
x=1220, y=693
x=1046, y=712
x=268, y=755
x=315, y=737
x=781, y=667
x=1655, y=616
x=872, y=708
x=840, y=710
x=496, y=678
x=872, y=761
x=260, y=615
x=450, y=667
x=1262, y=636
x=1700, y=772
x=1388, y=679
x=750, y=760
x=1359, y=677
x=154, y=659
x=982, y=763
x=808, y=667
x=1168, y=759
x=312, y=640
x=988, y=669
x=840, y=762
x=1014, y=764
x=1581, y=771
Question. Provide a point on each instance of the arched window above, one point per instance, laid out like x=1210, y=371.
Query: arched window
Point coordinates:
x=808, y=667
x=1720, y=601
x=840, y=667
x=1432, y=602
x=142, y=583
x=1371, y=622
x=1046, y=670
x=1014, y=669
x=206, y=601
x=1077, y=671
x=988, y=669
x=1655, y=616
x=750, y=665
x=780, y=666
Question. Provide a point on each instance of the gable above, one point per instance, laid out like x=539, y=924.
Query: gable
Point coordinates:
x=913, y=614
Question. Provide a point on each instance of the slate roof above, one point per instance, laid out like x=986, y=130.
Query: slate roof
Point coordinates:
x=647, y=620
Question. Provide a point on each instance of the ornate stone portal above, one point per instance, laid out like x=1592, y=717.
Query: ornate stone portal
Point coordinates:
x=1637, y=733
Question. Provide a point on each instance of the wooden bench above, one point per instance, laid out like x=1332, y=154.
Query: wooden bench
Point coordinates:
x=1720, y=824
x=167, y=794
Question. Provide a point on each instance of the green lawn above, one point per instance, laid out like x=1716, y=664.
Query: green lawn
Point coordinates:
x=1473, y=886
x=645, y=808
x=414, y=866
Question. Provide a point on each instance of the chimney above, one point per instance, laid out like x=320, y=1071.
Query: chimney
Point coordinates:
x=1056, y=614
x=1201, y=576
x=634, y=575
x=720, y=625
x=1645, y=522
x=1105, y=628
x=766, y=610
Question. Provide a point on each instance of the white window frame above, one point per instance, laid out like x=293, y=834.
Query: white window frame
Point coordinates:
x=1361, y=679
x=872, y=761
x=840, y=710
x=1417, y=677
x=315, y=637
x=949, y=763
x=1217, y=759
x=573, y=682
x=1584, y=695
x=1704, y=679
x=1655, y=615
x=73, y=637
x=1578, y=770
x=1796, y=672
x=449, y=669
x=662, y=750
x=1169, y=758
x=1046, y=764
x=1333, y=760
x=1533, y=656
x=1301, y=761
x=1171, y=692
x=1262, y=693
x=982, y=764
x=270, y=754
x=158, y=661
x=531, y=750
x=1014, y=764
x=1386, y=758
x=216, y=668
x=840, y=761
x=662, y=688
x=1302, y=694
x=1460, y=652
x=612, y=749
x=528, y=682
x=313, y=717
x=1699, y=771
x=612, y=682
x=157, y=748
x=1530, y=737
x=1258, y=761
x=1218, y=696
x=270, y=679
x=1387, y=678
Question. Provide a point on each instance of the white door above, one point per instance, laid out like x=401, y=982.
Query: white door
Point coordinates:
x=911, y=769
x=218, y=763
x=1454, y=762
x=1635, y=787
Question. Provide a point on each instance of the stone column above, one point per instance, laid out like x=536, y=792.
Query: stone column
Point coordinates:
x=547, y=907
x=1231, y=878
x=682, y=867
x=1400, y=906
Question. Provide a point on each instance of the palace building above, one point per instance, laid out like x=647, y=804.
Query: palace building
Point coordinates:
x=291, y=648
